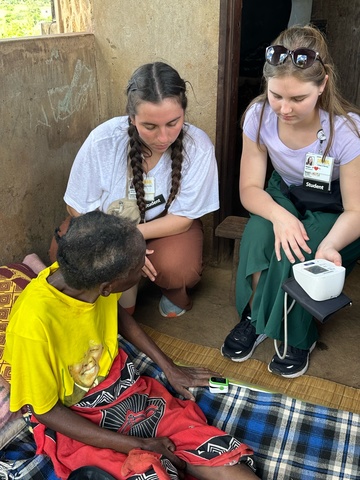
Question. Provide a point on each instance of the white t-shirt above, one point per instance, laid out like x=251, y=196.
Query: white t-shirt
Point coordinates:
x=290, y=163
x=98, y=175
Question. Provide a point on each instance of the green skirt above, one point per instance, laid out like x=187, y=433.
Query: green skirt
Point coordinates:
x=257, y=254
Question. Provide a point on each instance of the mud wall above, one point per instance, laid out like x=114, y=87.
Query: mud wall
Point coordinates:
x=49, y=104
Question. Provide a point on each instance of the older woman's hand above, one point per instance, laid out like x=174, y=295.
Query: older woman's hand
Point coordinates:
x=181, y=378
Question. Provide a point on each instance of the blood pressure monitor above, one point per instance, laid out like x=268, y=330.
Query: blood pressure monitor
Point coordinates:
x=320, y=279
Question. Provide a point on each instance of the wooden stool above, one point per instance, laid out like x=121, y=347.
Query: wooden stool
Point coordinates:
x=232, y=227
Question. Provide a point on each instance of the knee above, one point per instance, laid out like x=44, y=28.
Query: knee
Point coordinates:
x=187, y=272
x=179, y=273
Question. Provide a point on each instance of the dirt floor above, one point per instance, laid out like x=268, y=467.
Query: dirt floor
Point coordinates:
x=336, y=356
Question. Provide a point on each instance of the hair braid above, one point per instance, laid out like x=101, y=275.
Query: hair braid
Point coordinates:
x=176, y=166
x=135, y=159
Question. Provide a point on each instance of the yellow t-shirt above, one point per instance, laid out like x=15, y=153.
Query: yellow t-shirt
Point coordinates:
x=58, y=347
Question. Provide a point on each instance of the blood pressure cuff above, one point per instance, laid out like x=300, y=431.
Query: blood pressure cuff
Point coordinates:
x=323, y=310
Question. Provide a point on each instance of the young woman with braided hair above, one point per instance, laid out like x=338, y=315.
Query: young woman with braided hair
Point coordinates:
x=139, y=152
x=167, y=165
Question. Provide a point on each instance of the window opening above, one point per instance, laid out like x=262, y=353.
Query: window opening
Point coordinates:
x=24, y=18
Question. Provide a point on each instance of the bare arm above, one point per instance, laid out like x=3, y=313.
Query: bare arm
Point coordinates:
x=161, y=227
x=289, y=231
x=347, y=227
x=252, y=180
x=165, y=226
x=71, y=211
x=179, y=377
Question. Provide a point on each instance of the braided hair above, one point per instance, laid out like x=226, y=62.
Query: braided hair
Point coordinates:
x=154, y=82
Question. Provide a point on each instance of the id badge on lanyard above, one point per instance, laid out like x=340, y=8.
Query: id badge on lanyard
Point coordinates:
x=318, y=170
x=149, y=188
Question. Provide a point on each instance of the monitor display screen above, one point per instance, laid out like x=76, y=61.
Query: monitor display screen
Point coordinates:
x=316, y=269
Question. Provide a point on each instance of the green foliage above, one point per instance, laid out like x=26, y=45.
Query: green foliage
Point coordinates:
x=21, y=18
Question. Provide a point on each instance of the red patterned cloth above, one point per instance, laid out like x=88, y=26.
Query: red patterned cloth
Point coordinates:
x=136, y=405
x=140, y=461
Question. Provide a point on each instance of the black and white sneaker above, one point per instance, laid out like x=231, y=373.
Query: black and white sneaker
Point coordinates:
x=295, y=363
x=241, y=342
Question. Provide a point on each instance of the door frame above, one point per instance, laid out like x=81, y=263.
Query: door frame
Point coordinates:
x=227, y=110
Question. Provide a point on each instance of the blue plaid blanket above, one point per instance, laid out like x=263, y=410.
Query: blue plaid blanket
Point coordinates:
x=292, y=440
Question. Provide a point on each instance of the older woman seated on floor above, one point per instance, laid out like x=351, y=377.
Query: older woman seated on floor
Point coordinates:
x=86, y=398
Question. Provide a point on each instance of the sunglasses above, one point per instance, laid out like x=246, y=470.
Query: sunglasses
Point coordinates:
x=301, y=57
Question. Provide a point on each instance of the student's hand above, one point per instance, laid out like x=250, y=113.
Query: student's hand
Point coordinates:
x=181, y=378
x=330, y=254
x=148, y=269
x=291, y=236
x=164, y=446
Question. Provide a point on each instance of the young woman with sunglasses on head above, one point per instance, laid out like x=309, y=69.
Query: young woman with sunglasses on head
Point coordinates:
x=167, y=167
x=300, y=114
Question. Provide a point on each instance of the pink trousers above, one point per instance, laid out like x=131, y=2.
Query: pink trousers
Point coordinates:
x=178, y=262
